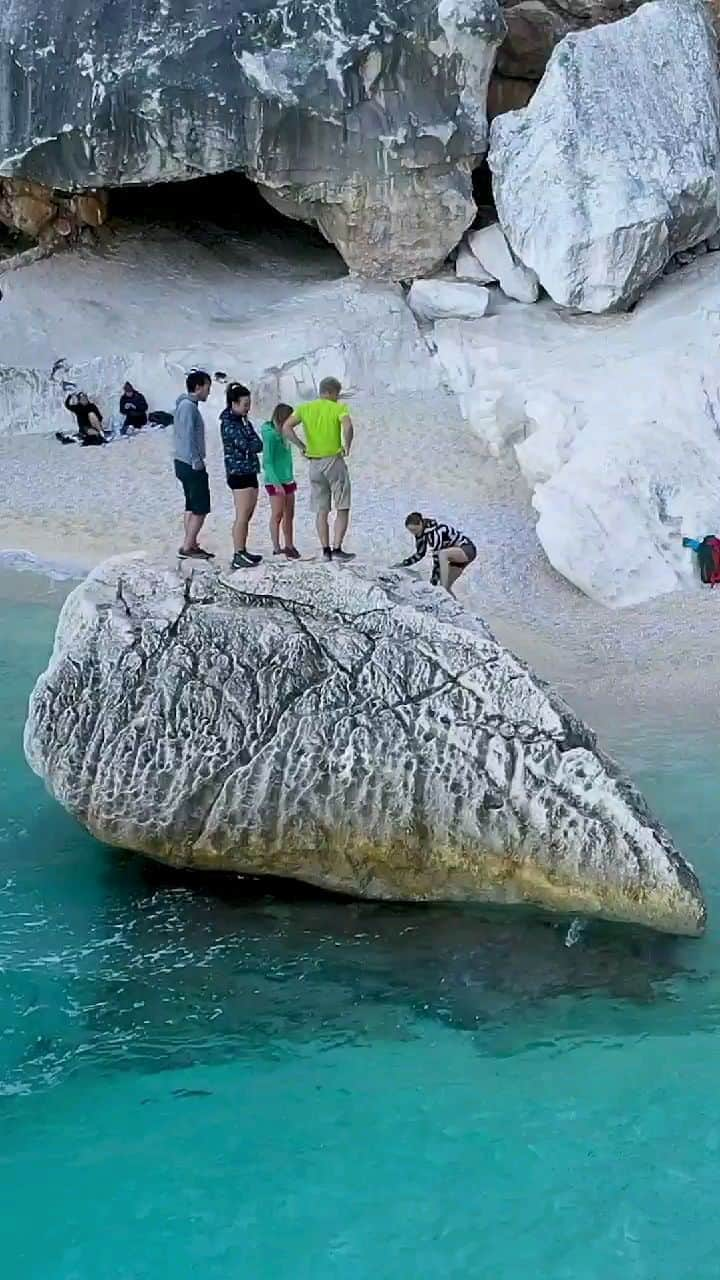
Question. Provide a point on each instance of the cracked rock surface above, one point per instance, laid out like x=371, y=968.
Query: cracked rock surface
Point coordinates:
x=356, y=730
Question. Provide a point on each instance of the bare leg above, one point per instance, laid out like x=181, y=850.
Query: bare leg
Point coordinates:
x=95, y=427
x=288, y=520
x=453, y=574
x=193, y=525
x=452, y=561
x=323, y=527
x=342, y=520
x=245, y=503
x=277, y=512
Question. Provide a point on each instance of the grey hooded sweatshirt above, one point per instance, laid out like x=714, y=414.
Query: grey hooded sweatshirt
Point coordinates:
x=189, y=433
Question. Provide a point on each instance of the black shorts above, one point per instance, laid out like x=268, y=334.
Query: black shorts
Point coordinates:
x=242, y=482
x=469, y=548
x=196, y=488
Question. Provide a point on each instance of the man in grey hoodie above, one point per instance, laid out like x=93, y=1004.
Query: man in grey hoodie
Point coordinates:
x=189, y=430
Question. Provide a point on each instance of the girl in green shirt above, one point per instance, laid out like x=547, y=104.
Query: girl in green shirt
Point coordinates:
x=280, y=482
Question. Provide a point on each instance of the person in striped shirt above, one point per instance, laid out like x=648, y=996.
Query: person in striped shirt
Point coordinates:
x=452, y=551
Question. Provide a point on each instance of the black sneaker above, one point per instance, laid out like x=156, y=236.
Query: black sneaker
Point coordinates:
x=241, y=560
x=197, y=553
x=327, y=554
x=343, y=556
x=255, y=559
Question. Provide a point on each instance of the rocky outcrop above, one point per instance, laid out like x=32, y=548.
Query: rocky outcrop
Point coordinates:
x=468, y=269
x=614, y=165
x=439, y=299
x=615, y=424
x=533, y=30
x=534, y=27
x=491, y=249
x=355, y=731
x=364, y=117
x=47, y=217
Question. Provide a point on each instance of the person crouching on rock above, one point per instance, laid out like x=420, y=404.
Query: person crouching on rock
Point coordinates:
x=88, y=418
x=133, y=407
x=452, y=551
x=279, y=476
x=241, y=446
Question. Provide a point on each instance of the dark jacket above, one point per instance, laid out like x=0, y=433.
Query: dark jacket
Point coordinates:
x=82, y=413
x=241, y=444
x=134, y=408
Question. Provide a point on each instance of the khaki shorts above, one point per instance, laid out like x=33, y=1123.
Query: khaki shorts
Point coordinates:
x=329, y=484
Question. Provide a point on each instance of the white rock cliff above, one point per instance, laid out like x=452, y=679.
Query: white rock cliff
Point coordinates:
x=615, y=422
x=355, y=731
x=614, y=165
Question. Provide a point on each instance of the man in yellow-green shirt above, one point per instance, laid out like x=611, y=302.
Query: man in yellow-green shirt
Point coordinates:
x=328, y=430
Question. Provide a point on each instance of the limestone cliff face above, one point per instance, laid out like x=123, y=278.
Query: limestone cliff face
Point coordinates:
x=365, y=116
x=356, y=731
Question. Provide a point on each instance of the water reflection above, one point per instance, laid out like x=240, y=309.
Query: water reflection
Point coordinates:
x=158, y=971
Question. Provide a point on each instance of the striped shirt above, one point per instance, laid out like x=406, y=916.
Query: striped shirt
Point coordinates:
x=435, y=537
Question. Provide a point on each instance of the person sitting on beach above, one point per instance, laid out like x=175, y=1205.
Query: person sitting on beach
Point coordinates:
x=242, y=446
x=279, y=477
x=133, y=408
x=329, y=433
x=88, y=418
x=189, y=433
x=452, y=551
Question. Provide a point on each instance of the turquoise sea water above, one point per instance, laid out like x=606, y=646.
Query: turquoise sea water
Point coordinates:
x=212, y=1084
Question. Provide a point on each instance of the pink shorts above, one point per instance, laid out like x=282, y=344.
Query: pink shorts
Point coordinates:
x=281, y=488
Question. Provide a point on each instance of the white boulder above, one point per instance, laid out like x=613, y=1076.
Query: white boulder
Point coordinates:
x=438, y=299
x=467, y=267
x=613, y=167
x=615, y=422
x=356, y=731
x=493, y=253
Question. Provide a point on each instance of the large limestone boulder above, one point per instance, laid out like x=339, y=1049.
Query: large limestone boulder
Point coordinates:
x=364, y=116
x=613, y=167
x=355, y=731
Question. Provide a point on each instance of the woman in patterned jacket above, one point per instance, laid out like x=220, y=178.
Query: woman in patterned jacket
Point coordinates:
x=452, y=551
x=242, y=447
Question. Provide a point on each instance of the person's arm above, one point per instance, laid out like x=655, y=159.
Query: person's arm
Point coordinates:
x=142, y=403
x=290, y=433
x=255, y=443
x=419, y=553
x=186, y=434
x=270, y=456
x=348, y=434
